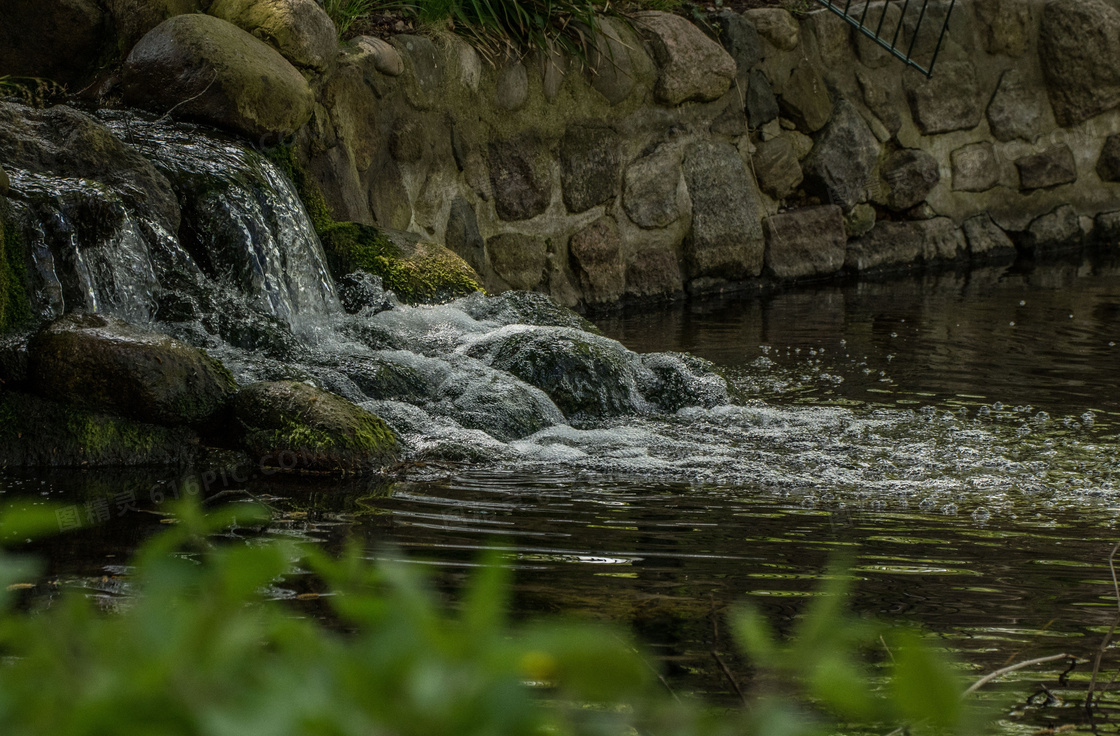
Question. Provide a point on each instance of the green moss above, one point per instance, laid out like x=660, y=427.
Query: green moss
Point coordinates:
x=15, y=308
x=101, y=437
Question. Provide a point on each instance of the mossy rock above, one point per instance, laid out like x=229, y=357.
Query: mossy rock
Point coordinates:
x=677, y=380
x=294, y=426
x=416, y=271
x=524, y=308
x=103, y=364
x=15, y=308
x=35, y=432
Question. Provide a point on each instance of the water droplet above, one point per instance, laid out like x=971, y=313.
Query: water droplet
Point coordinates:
x=1087, y=418
x=981, y=514
x=984, y=411
x=894, y=334
x=1012, y=324
x=949, y=509
x=998, y=406
x=1022, y=302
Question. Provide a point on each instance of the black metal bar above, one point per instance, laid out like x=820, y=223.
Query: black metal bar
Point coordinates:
x=901, y=20
x=944, y=30
x=877, y=35
x=917, y=28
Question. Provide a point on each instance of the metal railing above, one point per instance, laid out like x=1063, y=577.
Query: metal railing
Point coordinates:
x=899, y=39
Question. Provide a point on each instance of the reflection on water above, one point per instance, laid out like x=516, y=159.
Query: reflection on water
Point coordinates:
x=955, y=437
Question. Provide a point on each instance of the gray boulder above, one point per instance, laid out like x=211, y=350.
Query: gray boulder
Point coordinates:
x=649, y=193
x=612, y=69
x=1056, y=230
x=805, y=99
x=519, y=177
x=761, y=104
x=903, y=244
x=986, y=239
x=1005, y=25
x=726, y=239
x=1106, y=228
x=210, y=70
x=1080, y=43
x=691, y=65
x=134, y=18
x=806, y=242
x=1108, y=165
x=1050, y=168
x=596, y=254
x=975, y=167
x=777, y=26
x=299, y=29
x=948, y=101
x=518, y=259
x=777, y=168
x=589, y=166
x=1015, y=110
x=843, y=158
x=910, y=175
x=739, y=37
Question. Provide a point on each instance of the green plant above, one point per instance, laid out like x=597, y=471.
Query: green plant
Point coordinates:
x=345, y=13
x=33, y=91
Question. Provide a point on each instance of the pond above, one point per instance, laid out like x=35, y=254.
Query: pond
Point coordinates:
x=954, y=436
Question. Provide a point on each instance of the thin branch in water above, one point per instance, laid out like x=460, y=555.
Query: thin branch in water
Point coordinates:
x=180, y=103
x=1011, y=668
x=730, y=677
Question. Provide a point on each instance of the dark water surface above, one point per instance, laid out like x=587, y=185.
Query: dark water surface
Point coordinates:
x=957, y=436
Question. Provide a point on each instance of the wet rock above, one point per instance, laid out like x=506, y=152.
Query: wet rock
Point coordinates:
x=613, y=72
x=1080, y=42
x=59, y=40
x=584, y=375
x=1108, y=165
x=910, y=175
x=739, y=37
x=1050, y=168
x=871, y=53
x=975, y=167
x=649, y=193
x=379, y=54
x=654, y=271
x=523, y=308
x=1056, y=230
x=948, y=101
x=300, y=30
x=211, y=70
x=732, y=122
x=361, y=291
x=777, y=26
x=496, y=403
x=520, y=177
x=880, y=100
x=762, y=105
x=1005, y=26
x=776, y=167
x=726, y=237
x=843, y=158
x=424, y=77
x=902, y=244
x=513, y=86
x=596, y=253
x=5, y=182
x=805, y=99
x=860, y=220
x=35, y=432
x=291, y=425
x=64, y=142
x=463, y=237
x=589, y=166
x=985, y=238
x=1015, y=110
x=518, y=259
x=691, y=65
x=805, y=242
x=680, y=380
x=103, y=364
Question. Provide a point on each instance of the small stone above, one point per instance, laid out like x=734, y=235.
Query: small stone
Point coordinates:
x=910, y=175
x=802, y=144
x=1005, y=26
x=805, y=242
x=596, y=253
x=553, y=66
x=777, y=26
x=843, y=158
x=771, y=130
x=589, y=166
x=519, y=177
x=518, y=259
x=860, y=220
x=692, y=66
x=776, y=167
x=948, y=101
x=649, y=193
x=762, y=105
x=1015, y=110
x=1056, y=230
x=1108, y=165
x=805, y=99
x=1051, y=168
x=513, y=86
x=985, y=238
x=384, y=58
x=975, y=167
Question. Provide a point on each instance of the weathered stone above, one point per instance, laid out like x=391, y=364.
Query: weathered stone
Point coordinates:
x=762, y=105
x=1106, y=228
x=1005, y=25
x=589, y=166
x=349, y=112
x=726, y=238
x=649, y=194
x=805, y=99
x=104, y=364
x=771, y=130
x=910, y=175
x=985, y=238
x=381, y=55
x=609, y=64
x=388, y=197
x=553, y=67
x=654, y=272
x=833, y=36
x=776, y=167
x=61, y=141
x=802, y=144
x=805, y=242
x=777, y=26
x=948, y=101
x=59, y=40
x=423, y=80
x=40, y=433
x=335, y=175
x=1056, y=230
x=463, y=65
x=1050, y=168
x=520, y=177
x=1079, y=41
x=692, y=66
x=463, y=236
x=903, y=244
x=291, y=425
x=732, y=122
x=843, y=158
x=513, y=86
x=408, y=140
x=299, y=29
x=860, y=220
x=596, y=253
x=518, y=259
x=739, y=36
x=975, y=167
x=1108, y=165
x=362, y=291
x=871, y=53
x=1015, y=110
x=211, y=70
x=134, y=18
x=880, y=100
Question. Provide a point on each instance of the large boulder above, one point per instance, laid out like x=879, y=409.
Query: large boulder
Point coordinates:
x=1050, y=168
x=1015, y=110
x=842, y=159
x=205, y=68
x=299, y=29
x=726, y=240
x=59, y=40
x=35, y=432
x=520, y=177
x=739, y=36
x=650, y=189
x=692, y=66
x=1080, y=43
x=104, y=364
x=596, y=255
x=805, y=99
x=1056, y=230
x=291, y=425
x=986, y=239
x=134, y=18
x=61, y=141
x=805, y=242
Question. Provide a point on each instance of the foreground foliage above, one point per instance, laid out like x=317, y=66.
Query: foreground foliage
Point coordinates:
x=197, y=651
